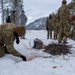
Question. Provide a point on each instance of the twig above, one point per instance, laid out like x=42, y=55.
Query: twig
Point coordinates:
x=45, y=56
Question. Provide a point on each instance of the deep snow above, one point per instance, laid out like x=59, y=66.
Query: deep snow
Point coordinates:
x=56, y=65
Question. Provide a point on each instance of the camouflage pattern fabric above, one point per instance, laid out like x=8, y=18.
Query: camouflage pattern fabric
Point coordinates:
x=49, y=27
x=55, y=26
x=7, y=38
x=71, y=34
x=64, y=18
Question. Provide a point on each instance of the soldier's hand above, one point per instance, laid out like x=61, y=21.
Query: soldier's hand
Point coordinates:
x=46, y=28
x=17, y=41
x=23, y=57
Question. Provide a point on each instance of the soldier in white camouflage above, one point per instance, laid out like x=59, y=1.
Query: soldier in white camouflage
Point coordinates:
x=23, y=19
x=8, y=33
x=64, y=18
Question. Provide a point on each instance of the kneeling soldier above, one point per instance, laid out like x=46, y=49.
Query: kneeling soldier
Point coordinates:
x=8, y=33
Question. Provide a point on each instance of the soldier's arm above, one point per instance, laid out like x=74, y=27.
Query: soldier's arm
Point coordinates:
x=71, y=5
x=12, y=50
x=9, y=41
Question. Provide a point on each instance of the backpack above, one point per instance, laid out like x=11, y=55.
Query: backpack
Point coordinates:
x=8, y=19
x=38, y=44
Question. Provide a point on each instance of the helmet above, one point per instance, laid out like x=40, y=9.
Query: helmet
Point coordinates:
x=20, y=30
x=64, y=2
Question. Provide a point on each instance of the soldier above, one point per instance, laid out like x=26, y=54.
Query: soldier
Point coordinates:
x=8, y=33
x=64, y=18
x=71, y=34
x=23, y=19
x=11, y=17
x=55, y=26
x=49, y=26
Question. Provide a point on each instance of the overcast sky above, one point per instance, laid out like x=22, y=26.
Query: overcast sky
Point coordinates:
x=39, y=8
x=35, y=9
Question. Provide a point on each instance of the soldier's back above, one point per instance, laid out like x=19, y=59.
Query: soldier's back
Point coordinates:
x=7, y=28
x=64, y=12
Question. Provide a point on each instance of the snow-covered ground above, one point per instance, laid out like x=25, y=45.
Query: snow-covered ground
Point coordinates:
x=56, y=65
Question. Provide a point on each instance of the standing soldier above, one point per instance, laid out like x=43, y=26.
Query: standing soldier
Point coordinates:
x=55, y=26
x=23, y=19
x=64, y=18
x=8, y=33
x=49, y=27
x=11, y=18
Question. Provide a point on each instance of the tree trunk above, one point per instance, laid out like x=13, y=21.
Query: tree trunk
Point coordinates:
x=2, y=11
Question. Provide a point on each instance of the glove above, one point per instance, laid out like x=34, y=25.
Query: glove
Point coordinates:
x=23, y=57
x=46, y=28
x=17, y=41
x=16, y=37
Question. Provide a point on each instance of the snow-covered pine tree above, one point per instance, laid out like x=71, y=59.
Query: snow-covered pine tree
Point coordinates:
x=73, y=9
x=4, y=4
x=18, y=6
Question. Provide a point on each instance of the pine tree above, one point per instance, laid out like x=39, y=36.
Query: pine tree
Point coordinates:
x=3, y=5
x=7, y=6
